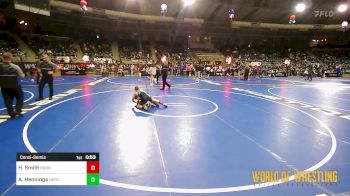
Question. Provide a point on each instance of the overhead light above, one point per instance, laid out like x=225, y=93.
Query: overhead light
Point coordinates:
x=26, y=24
x=188, y=2
x=163, y=9
x=97, y=36
x=21, y=22
x=189, y=36
x=342, y=8
x=164, y=6
x=300, y=7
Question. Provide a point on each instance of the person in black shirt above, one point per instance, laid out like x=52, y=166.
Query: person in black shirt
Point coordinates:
x=246, y=73
x=199, y=70
x=310, y=70
x=11, y=91
x=46, y=69
x=143, y=100
x=165, y=76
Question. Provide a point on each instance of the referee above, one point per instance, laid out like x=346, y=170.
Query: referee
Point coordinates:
x=164, y=76
x=11, y=89
x=46, y=69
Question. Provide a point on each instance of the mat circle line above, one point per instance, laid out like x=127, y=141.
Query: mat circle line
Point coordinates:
x=192, y=190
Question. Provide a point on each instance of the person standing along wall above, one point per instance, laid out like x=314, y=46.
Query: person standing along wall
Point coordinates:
x=246, y=73
x=310, y=71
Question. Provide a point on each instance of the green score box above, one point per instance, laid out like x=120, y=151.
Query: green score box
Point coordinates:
x=92, y=179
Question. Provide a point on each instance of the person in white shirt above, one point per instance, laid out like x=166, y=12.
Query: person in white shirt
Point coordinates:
x=152, y=72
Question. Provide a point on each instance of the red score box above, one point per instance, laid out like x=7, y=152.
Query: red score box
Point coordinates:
x=93, y=167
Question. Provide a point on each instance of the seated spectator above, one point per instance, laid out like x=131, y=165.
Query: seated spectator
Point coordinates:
x=8, y=44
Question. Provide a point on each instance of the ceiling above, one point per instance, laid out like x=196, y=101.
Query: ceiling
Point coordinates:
x=269, y=11
x=214, y=12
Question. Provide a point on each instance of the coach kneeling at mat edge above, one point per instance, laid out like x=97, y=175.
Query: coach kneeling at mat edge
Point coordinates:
x=46, y=69
x=11, y=88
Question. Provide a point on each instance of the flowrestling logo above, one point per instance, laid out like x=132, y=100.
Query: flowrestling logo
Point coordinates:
x=324, y=13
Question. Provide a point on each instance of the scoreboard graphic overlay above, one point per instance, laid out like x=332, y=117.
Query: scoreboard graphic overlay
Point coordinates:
x=58, y=169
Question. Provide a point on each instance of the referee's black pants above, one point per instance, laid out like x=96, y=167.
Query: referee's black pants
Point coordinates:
x=45, y=80
x=9, y=94
x=37, y=79
x=164, y=77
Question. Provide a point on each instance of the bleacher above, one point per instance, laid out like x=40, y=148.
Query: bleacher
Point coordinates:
x=61, y=49
x=131, y=53
x=205, y=55
x=8, y=44
x=175, y=54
